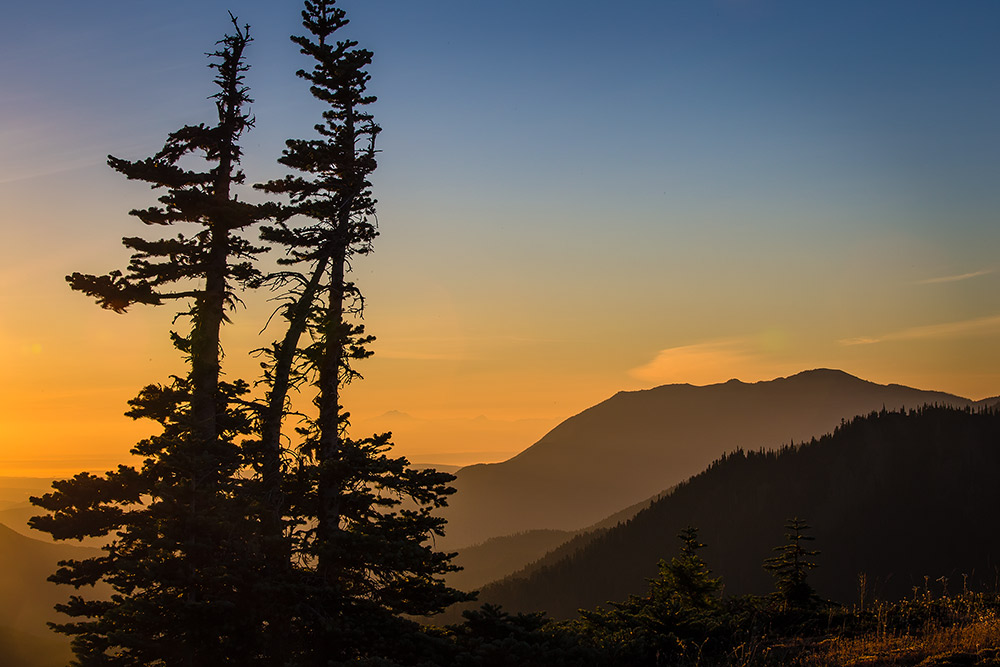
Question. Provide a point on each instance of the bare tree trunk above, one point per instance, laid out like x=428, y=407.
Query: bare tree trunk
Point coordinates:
x=277, y=549
x=328, y=401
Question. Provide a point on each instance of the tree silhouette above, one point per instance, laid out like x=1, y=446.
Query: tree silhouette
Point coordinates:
x=226, y=545
x=792, y=564
x=673, y=620
x=361, y=557
x=182, y=551
x=687, y=578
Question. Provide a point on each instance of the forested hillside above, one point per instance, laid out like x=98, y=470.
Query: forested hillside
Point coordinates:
x=895, y=496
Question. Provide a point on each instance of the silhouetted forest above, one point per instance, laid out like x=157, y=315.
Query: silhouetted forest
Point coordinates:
x=681, y=618
x=893, y=496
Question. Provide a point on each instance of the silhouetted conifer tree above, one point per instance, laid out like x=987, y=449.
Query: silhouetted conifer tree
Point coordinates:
x=359, y=559
x=686, y=578
x=182, y=553
x=792, y=564
x=315, y=559
x=674, y=619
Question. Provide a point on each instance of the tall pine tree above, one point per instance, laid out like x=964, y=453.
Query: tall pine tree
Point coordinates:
x=228, y=545
x=360, y=556
x=182, y=551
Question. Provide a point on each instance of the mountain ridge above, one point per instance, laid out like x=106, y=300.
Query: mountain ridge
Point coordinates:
x=637, y=443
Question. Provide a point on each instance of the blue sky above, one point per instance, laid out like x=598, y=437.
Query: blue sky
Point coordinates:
x=575, y=197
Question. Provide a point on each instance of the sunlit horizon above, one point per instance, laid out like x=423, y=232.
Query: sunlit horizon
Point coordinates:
x=574, y=200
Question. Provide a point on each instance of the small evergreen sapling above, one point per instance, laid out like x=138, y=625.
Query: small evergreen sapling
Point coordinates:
x=676, y=617
x=792, y=565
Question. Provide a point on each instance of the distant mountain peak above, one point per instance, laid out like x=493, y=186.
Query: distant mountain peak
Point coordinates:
x=814, y=374
x=637, y=443
x=826, y=373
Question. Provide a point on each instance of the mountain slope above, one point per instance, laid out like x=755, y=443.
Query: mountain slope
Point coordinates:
x=635, y=444
x=25, y=564
x=499, y=557
x=897, y=497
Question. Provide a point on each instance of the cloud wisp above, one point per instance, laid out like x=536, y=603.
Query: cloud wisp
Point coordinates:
x=710, y=362
x=955, y=278
x=976, y=326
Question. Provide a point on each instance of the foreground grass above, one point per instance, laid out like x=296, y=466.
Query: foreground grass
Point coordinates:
x=924, y=631
x=977, y=643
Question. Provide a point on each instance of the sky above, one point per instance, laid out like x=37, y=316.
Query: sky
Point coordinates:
x=575, y=199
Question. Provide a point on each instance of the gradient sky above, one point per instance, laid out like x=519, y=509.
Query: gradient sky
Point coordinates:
x=575, y=198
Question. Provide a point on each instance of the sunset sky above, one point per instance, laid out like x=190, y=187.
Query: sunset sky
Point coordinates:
x=575, y=198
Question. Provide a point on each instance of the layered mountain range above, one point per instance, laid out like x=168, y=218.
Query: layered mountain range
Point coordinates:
x=638, y=443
